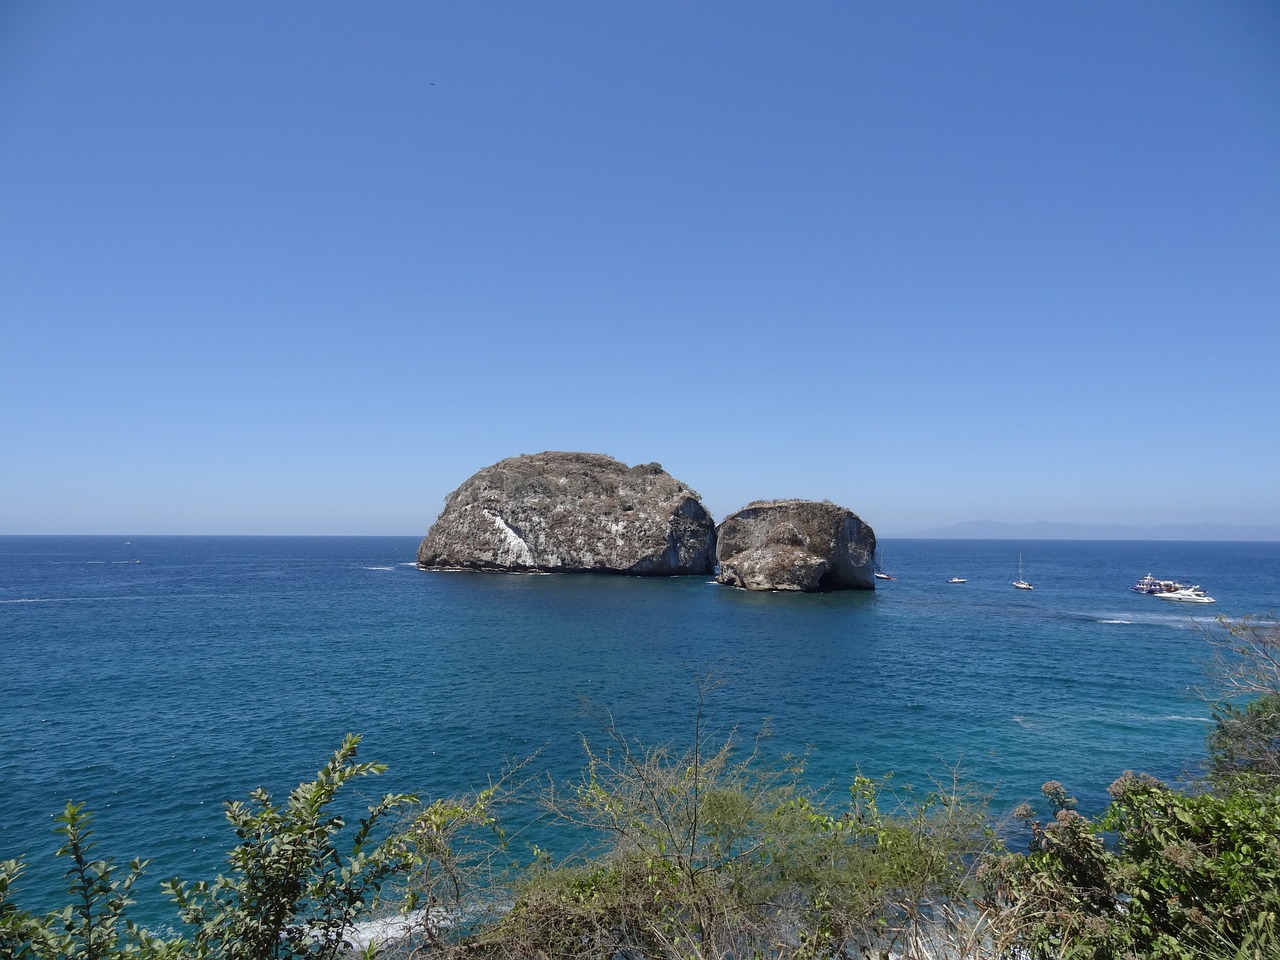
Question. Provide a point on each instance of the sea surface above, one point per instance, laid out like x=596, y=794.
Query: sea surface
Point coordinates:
x=156, y=678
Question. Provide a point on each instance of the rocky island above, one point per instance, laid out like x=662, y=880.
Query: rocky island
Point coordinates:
x=796, y=545
x=559, y=512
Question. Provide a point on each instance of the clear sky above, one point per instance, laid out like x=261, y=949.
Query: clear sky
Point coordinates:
x=304, y=267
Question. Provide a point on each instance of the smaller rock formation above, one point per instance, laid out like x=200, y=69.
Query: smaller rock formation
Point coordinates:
x=558, y=512
x=796, y=545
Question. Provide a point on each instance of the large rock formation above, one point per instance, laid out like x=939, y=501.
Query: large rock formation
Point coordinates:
x=572, y=513
x=796, y=545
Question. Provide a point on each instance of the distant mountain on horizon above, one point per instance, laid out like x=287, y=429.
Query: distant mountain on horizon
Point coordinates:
x=1044, y=530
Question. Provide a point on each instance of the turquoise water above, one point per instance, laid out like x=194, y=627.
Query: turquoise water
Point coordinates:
x=155, y=678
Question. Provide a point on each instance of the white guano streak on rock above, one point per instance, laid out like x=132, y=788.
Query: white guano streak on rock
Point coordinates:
x=513, y=551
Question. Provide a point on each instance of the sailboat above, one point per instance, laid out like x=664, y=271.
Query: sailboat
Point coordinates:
x=879, y=572
x=1020, y=583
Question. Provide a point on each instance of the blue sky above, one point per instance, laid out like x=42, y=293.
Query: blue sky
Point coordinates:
x=303, y=268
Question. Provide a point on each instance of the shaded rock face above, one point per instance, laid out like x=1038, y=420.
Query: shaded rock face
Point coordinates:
x=796, y=545
x=572, y=513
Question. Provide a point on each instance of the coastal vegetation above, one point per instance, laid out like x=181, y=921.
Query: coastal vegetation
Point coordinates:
x=713, y=850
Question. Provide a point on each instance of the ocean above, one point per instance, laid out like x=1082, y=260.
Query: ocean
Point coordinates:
x=155, y=678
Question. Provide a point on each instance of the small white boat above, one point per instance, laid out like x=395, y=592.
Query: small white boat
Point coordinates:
x=957, y=580
x=883, y=576
x=1020, y=583
x=1185, y=595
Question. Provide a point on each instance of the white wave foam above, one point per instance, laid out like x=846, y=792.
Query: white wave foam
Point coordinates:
x=1116, y=621
x=382, y=931
x=378, y=568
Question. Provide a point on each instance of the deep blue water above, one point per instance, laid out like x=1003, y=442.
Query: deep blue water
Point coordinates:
x=157, y=677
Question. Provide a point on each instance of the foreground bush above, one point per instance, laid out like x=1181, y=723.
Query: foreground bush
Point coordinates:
x=708, y=854
x=702, y=854
x=290, y=892
x=93, y=925
x=1186, y=876
x=1244, y=745
x=1165, y=873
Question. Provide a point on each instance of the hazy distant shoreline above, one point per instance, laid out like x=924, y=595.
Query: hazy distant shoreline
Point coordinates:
x=1044, y=530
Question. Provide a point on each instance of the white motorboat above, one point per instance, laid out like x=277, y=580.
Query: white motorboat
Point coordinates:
x=957, y=580
x=1186, y=595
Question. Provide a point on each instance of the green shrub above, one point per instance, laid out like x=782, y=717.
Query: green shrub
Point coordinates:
x=1186, y=876
x=712, y=853
x=1244, y=745
x=291, y=893
x=92, y=926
